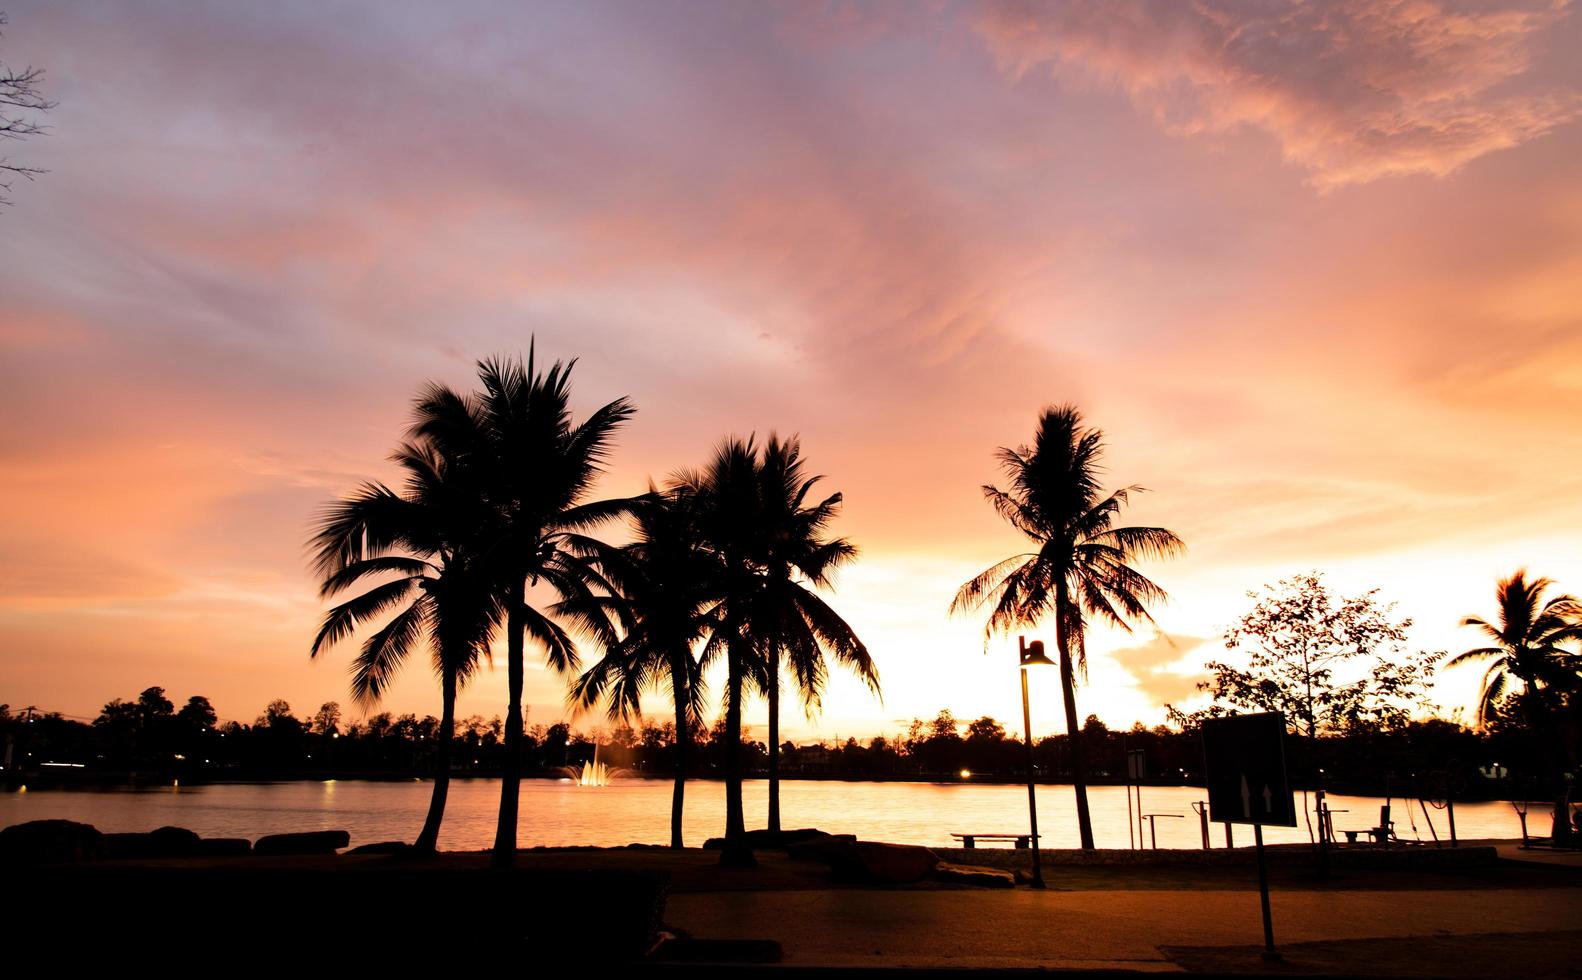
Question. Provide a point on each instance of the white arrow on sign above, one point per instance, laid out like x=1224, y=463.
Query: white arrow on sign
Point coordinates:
x=1246, y=797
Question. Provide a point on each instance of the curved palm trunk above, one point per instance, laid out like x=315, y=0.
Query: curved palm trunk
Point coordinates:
x=511, y=766
x=1079, y=769
x=774, y=743
x=428, y=840
x=736, y=853
x=683, y=747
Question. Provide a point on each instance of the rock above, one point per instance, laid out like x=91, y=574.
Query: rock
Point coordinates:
x=828, y=848
x=50, y=842
x=223, y=847
x=762, y=840
x=166, y=842
x=896, y=863
x=976, y=877
x=382, y=847
x=312, y=842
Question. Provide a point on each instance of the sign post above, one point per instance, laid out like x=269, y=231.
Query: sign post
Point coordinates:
x=1136, y=771
x=1244, y=766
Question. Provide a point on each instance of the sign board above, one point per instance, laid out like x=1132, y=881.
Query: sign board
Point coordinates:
x=1136, y=768
x=1244, y=766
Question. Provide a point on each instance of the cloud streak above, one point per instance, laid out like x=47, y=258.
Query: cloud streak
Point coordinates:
x=1352, y=91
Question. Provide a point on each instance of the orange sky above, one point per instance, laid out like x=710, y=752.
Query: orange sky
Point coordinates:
x=1315, y=271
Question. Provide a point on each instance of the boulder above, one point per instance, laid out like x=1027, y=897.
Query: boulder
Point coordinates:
x=382, y=847
x=828, y=848
x=312, y=842
x=975, y=877
x=894, y=863
x=50, y=842
x=763, y=840
x=223, y=847
x=166, y=842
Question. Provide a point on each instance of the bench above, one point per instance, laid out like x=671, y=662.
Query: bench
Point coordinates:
x=1382, y=834
x=969, y=841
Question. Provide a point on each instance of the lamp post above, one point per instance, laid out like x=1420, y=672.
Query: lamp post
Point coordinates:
x=1031, y=655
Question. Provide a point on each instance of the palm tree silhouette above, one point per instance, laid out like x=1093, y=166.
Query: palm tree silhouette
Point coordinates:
x=1082, y=565
x=537, y=468
x=419, y=547
x=768, y=547
x=1525, y=645
x=663, y=601
x=729, y=519
x=790, y=618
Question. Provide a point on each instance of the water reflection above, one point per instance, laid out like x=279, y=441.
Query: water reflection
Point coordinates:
x=638, y=810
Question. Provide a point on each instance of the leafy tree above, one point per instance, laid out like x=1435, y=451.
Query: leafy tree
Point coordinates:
x=327, y=720
x=1330, y=663
x=198, y=713
x=985, y=729
x=153, y=703
x=277, y=716
x=1081, y=565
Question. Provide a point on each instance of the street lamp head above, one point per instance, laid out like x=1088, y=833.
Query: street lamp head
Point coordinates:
x=1033, y=655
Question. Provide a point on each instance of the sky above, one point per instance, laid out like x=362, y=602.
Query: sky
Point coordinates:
x=1316, y=271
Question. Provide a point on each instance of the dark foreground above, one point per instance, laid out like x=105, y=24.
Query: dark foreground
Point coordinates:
x=663, y=912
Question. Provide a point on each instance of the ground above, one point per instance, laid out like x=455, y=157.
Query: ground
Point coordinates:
x=1519, y=915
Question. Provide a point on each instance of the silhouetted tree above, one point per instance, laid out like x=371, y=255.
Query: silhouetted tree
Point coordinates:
x=790, y=620
x=663, y=586
x=537, y=469
x=1525, y=646
x=1331, y=663
x=729, y=514
x=198, y=713
x=424, y=550
x=22, y=104
x=1082, y=565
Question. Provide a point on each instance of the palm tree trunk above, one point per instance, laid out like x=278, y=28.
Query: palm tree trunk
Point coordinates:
x=773, y=693
x=736, y=853
x=1079, y=770
x=428, y=840
x=511, y=763
x=683, y=744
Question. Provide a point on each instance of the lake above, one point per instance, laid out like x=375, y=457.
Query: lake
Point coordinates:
x=634, y=810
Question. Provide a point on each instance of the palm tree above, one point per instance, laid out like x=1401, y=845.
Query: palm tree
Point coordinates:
x=790, y=619
x=418, y=548
x=1526, y=646
x=536, y=468
x=663, y=602
x=728, y=520
x=1081, y=566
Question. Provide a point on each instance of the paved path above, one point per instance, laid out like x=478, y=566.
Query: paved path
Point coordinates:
x=1092, y=929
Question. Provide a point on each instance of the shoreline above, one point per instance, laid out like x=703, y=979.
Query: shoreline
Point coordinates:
x=84, y=779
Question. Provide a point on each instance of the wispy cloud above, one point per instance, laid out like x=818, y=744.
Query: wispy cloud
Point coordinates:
x=1352, y=91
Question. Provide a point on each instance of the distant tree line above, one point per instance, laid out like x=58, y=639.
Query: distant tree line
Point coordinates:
x=151, y=738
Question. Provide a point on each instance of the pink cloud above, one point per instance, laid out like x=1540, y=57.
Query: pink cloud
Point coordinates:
x=1352, y=91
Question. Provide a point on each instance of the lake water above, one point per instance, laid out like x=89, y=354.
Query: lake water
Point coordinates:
x=638, y=810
